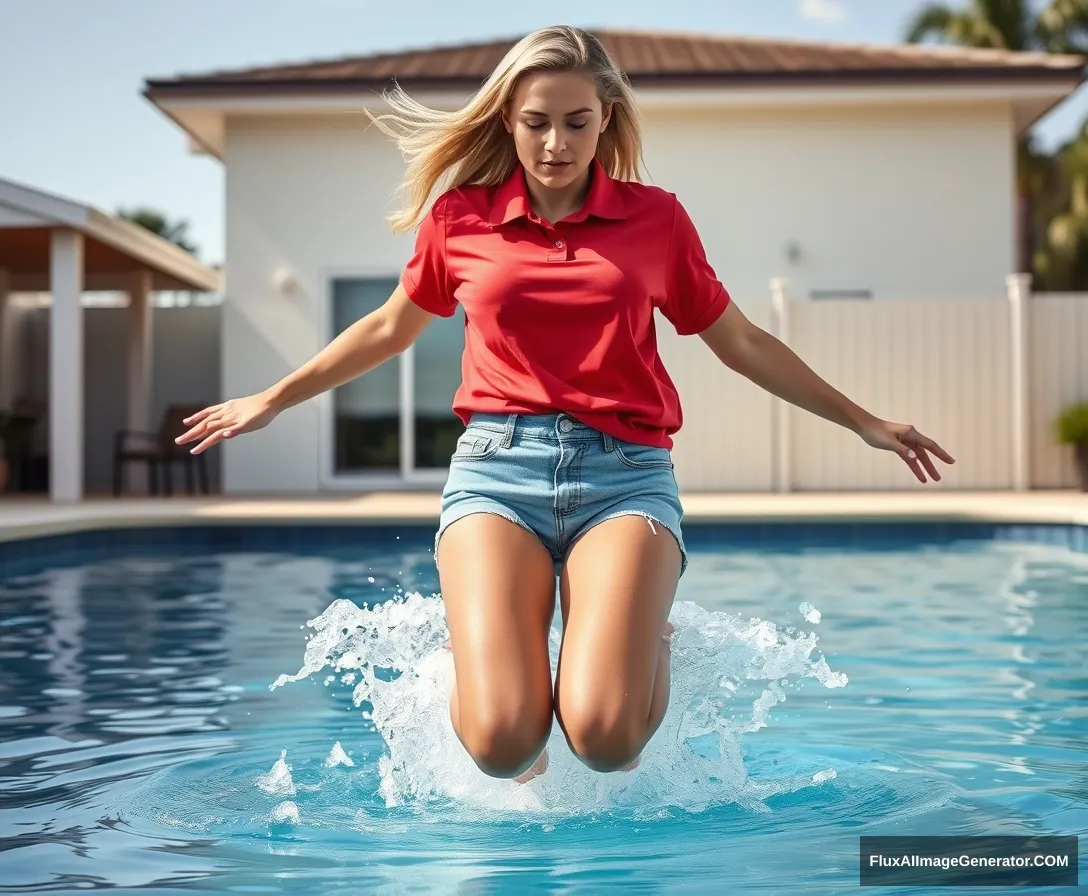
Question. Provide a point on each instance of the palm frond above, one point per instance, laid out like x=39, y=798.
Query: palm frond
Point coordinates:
x=964, y=27
x=931, y=21
x=1014, y=20
x=1062, y=26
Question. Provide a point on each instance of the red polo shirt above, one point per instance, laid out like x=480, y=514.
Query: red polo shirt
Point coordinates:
x=560, y=318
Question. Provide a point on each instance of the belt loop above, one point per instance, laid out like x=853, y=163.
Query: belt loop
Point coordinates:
x=508, y=436
x=609, y=442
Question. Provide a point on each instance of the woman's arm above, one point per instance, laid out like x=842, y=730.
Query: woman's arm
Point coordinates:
x=759, y=356
x=369, y=342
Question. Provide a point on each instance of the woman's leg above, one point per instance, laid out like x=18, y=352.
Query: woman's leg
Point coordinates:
x=498, y=587
x=612, y=682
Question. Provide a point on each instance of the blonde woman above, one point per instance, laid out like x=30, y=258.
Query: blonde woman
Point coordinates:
x=559, y=257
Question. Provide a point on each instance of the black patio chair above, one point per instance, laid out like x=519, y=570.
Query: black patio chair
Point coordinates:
x=159, y=452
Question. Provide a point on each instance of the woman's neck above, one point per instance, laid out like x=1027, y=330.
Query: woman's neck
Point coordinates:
x=555, y=204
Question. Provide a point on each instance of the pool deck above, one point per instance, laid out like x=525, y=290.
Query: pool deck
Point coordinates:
x=27, y=518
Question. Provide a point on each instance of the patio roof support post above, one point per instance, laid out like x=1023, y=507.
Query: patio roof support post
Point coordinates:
x=139, y=350
x=66, y=366
x=139, y=358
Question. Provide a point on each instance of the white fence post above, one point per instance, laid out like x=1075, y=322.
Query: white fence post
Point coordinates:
x=780, y=308
x=1019, y=290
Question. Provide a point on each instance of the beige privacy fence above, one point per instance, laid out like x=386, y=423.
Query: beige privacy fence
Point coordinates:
x=985, y=378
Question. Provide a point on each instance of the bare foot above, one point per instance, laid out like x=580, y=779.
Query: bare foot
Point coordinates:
x=536, y=769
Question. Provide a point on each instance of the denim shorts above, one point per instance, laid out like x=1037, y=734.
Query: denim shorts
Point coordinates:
x=556, y=477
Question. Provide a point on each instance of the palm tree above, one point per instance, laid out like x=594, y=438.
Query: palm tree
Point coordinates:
x=1060, y=27
x=1061, y=261
x=1019, y=25
x=156, y=222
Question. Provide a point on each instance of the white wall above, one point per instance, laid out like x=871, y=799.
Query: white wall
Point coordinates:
x=311, y=200
x=910, y=204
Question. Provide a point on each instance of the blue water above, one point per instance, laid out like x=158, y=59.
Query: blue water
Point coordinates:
x=828, y=684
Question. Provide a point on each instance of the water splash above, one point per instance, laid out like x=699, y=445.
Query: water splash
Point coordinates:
x=278, y=779
x=728, y=673
x=285, y=813
x=337, y=756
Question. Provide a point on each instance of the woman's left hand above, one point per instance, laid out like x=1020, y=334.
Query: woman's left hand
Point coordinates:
x=909, y=444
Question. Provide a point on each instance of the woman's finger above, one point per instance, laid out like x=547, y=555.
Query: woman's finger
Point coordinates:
x=936, y=449
x=214, y=439
x=189, y=435
x=916, y=451
x=203, y=428
x=200, y=415
x=927, y=462
x=910, y=458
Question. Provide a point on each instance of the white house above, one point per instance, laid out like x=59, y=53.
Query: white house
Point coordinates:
x=853, y=171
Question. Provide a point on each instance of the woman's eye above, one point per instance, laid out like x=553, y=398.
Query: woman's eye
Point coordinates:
x=578, y=125
x=535, y=126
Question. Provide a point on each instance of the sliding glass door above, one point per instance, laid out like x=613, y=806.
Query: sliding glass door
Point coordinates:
x=366, y=412
x=395, y=423
x=436, y=374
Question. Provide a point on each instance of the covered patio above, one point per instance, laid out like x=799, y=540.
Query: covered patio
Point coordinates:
x=49, y=244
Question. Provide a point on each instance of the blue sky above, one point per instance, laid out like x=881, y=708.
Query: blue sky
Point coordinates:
x=73, y=120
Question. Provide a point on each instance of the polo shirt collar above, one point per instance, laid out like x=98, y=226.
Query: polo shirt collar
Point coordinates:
x=602, y=201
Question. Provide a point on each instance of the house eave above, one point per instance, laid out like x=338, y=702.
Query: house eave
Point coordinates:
x=201, y=109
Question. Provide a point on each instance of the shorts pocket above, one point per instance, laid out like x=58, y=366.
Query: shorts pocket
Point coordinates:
x=475, y=446
x=643, y=457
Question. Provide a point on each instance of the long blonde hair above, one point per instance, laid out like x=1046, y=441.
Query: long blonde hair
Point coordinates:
x=471, y=145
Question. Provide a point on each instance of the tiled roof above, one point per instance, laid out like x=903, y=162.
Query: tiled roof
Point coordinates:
x=649, y=58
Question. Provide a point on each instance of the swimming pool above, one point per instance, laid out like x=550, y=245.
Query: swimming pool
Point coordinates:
x=830, y=681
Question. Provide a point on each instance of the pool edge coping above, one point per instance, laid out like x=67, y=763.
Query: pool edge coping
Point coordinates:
x=992, y=508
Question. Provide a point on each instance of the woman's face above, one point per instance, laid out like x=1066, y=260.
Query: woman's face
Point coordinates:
x=556, y=119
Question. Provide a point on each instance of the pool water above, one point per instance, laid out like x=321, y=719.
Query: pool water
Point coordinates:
x=268, y=714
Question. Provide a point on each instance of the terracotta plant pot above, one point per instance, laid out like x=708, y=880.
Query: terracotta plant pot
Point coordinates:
x=1080, y=457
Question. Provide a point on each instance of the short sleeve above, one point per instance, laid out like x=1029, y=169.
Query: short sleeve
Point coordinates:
x=694, y=296
x=426, y=277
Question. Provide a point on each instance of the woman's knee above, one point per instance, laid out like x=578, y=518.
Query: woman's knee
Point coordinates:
x=605, y=735
x=504, y=744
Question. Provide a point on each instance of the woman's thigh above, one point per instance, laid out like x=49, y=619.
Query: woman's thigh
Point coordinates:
x=498, y=587
x=617, y=589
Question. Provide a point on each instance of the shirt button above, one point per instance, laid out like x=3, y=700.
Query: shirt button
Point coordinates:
x=558, y=244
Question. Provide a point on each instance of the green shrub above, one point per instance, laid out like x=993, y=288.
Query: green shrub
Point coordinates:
x=1071, y=427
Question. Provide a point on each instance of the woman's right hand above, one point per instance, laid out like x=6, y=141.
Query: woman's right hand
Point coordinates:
x=224, y=421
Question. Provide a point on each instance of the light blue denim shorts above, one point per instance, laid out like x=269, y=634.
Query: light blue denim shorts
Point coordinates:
x=556, y=477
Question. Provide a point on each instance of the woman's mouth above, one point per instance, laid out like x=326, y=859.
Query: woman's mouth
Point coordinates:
x=554, y=165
